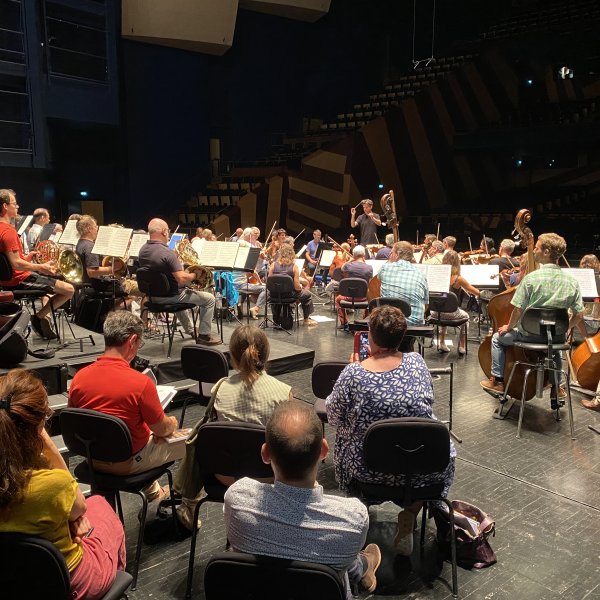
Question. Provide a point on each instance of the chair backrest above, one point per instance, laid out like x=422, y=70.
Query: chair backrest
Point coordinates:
x=95, y=435
x=32, y=568
x=231, y=448
x=445, y=302
x=407, y=446
x=324, y=376
x=537, y=321
x=237, y=575
x=205, y=365
x=353, y=287
x=280, y=286
x=400, y=303
x=337, y=274
x=153, y=283
x=5, y=268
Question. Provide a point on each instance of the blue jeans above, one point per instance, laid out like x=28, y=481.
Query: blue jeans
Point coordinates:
x=500, y=343
x=354, y=574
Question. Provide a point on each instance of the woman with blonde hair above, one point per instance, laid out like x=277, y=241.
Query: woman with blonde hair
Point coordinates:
x=39, y=497
x=457, y=283
x=284, y=265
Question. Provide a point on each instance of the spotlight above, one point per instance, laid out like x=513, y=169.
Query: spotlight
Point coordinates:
x=519, y=162
x=83, y=194
x=530, y=82
x=380, y=186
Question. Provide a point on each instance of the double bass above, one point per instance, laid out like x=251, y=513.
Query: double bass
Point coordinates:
x=388, y=207
x=500, y=310
x=586, y=362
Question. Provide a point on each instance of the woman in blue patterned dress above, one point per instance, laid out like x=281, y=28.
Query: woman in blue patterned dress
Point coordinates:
x=388, y=384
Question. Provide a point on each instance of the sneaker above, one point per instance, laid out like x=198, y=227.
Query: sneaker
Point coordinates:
x=492, y=386
x=207, y=340
x=403, y=541
x=185, y=514
x=373, y=556
x=36, y=326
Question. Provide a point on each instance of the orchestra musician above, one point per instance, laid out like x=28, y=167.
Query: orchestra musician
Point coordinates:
x=368, y=222
x=156, y=255
x=449, y=243
x=198, y=235
x=457, y=283
x=311, y=252
x=357, y=267
x=41, y=217
x=284, y=265
x=341, y=257
x=402, y=279
x=237, y=235
x=27, y=276
x=435, y=253
x=242, y=280
x=88, y=231
x=384, y=253
x=547, y=286
x=504, y=262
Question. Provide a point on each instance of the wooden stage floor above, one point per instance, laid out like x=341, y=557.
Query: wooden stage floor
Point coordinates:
x=543, y=490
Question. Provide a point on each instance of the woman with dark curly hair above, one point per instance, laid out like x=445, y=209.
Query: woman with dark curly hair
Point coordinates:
x=38, y=495
x=386, y=385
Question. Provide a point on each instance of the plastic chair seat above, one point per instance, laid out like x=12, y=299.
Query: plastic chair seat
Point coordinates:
x=539, y=347
x=320, y=409
x=124, y=483
x=171, y=308
x=355, y=304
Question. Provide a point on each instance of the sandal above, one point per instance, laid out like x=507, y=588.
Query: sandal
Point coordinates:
x=404, y=536
x=163, y=493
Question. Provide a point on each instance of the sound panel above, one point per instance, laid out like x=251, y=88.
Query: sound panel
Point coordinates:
x=300, y=10
x=206, y=26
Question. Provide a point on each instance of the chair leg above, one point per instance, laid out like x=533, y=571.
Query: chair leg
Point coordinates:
x=569, y=405
x=171, y=332
x=190, y=575
x=452, y=547
x=423, y=526
x=140, y=541
x=522, y=409
x=119, y=507
x=173, y=504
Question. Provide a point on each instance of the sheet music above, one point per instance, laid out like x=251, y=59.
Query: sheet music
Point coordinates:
x=438, y=276
x=70, y=235
x=586, y=280
x=481, y=275
x=417, y=256
x=299, y=262
x=219, y=255
x=301, y=252
x=327, y=257
x=112, y=241
x=376, y=264
x=198, y=244
x=24, y=224
x=137, y=241
x=242, y=256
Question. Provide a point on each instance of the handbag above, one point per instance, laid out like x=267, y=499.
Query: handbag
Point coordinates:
x=188, y=481
x=472, y=528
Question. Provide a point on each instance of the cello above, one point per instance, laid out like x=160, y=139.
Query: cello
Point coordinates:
x=388, y=207
x=586, y=362
x=500, y=310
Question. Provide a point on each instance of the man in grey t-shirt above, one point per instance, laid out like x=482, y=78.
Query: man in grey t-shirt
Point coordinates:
x=293, y=518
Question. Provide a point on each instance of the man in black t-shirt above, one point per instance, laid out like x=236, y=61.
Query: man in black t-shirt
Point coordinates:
x=504, y=260
x=92, y=269
x=368, y=223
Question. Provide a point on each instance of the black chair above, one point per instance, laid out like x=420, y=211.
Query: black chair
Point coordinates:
x=204, y=365
x=32, y=568
x=237, y=575
x=324, y=376
x=21, y=296
x=336, y=276
x=552, y=324
x=354, y=288
x=95, y=435
x=407, y=446
x=446, y=302
x=282, y=296
x=152, y=283
x=231, y=449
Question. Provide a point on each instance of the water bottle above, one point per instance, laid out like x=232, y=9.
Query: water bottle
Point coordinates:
x=219, y=302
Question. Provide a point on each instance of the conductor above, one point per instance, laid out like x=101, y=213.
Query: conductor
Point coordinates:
x=368, y=223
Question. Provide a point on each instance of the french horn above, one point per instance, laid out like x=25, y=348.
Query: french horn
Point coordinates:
x=188, y=256
x=67, y=262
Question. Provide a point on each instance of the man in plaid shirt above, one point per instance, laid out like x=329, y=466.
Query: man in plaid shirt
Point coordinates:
x=546, y=287
x=402, y=279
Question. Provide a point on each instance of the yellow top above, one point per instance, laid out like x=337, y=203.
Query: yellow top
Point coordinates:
x=44, y=512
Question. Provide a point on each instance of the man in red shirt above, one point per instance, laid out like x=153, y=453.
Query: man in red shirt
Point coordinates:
x=112, y=387
x=26, y=275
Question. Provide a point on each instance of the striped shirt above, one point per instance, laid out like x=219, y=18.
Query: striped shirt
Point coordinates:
x=548, y=287
x=237, y=401
x=401, y=279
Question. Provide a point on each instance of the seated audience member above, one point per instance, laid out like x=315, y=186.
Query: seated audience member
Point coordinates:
x=457, y=283
x=385, y=252
x=39, y=497
x=284, y=265
x=292, y=518
x=249, y=396
x=357, y=267
x=386, y=385
x=112, y=387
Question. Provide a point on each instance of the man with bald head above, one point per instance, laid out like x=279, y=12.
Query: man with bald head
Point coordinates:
x=400, y=278
x=293, y=518
x=156, y=256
